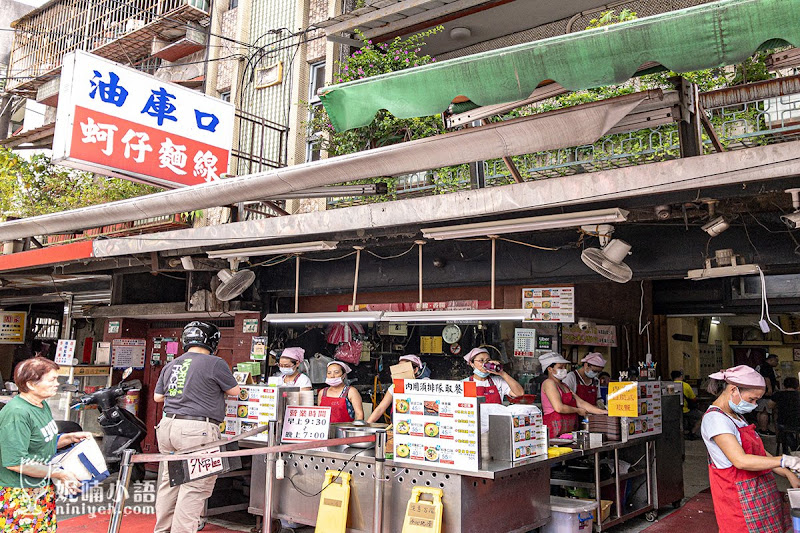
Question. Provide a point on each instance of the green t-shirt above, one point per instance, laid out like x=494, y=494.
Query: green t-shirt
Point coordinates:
x=28, y=434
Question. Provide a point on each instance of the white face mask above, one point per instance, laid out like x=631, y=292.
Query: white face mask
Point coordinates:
x=333, y=382
x=286, y=371
x=560, y=374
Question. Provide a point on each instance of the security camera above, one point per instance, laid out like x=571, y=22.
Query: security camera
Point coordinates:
x=716, y=226
x=791, y=220
x=584, y=324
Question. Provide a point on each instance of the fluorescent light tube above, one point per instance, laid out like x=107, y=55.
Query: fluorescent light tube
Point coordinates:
x=516, y=225
x=313, y=318
x=455, y=315
x=276, y=249
x=722, y=272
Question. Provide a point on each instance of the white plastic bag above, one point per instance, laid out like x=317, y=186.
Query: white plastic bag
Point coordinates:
x=85, y=460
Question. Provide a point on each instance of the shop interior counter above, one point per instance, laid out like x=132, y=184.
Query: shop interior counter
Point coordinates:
x=518, y=491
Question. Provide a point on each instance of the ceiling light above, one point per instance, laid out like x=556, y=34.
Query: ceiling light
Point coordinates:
x=277, y=249
x=722, y=272
x=314, y=318
x=516, y=225
x=459, y=315
x=715, y=320
x=716, y=226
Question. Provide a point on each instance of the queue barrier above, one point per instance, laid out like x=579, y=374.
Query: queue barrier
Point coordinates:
x=212, y=451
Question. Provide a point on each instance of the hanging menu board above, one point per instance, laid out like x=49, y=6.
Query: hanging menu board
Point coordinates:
x=128, y=353
x=12, y=327
x=255, y=406
x=552, y=304
x=436, y=423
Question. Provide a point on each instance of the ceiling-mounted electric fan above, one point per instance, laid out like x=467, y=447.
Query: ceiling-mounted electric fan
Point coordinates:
x=608, y=261
x=234, y=281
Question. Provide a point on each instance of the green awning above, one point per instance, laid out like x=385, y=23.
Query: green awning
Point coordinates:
x=706, y=36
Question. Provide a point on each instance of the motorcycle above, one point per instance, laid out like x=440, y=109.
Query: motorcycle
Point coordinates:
x=121, y=429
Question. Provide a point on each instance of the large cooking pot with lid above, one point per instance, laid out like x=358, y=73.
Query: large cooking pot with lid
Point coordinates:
x=348, y=429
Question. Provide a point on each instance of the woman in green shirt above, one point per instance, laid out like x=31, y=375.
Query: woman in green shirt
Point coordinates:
x=28, y=441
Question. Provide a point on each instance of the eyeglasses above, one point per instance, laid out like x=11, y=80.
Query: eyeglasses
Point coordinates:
x=481, y=361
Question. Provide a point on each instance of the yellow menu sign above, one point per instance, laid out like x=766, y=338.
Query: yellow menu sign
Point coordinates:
x=623, y=399
x=12, y=327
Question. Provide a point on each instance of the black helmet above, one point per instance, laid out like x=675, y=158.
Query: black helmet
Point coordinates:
x=200, y=334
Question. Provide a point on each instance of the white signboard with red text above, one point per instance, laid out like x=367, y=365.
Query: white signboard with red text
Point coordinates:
x=119, y=121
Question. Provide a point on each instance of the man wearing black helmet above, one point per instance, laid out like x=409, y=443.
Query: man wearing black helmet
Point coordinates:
x=192, y=388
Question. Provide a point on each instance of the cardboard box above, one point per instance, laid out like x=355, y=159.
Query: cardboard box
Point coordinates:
x=404, y=370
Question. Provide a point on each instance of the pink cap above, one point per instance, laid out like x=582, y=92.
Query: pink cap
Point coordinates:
x=473, y=352
x=411, y=358
x=594, y=358
x=298, y=354
x=740, y=375
x=341, y=364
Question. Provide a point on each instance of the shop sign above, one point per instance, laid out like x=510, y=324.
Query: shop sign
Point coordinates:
x=250, y=325
x=113, y=326
x=524, y=342
x=552, y=304
x=255, y=406
x=128, y=353
x=12, y=327
x=119, y=121
x=65, y=352
x=436, y=423
x=301, y=423
x=450, y=305
x=623, y=398
x=592, y=336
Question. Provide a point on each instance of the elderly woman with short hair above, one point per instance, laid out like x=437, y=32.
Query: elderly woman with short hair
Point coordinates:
x=28, y=441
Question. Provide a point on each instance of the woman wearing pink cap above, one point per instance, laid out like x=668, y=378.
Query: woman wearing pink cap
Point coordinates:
x=421, y=371
x=583, y=381
x=560, y=407
x=344, y=400
x=740, y=471
x=494, y=389
x=289, y=367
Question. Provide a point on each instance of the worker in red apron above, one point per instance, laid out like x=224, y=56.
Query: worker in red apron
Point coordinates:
x=584, y=381
x=493, y=383
x=561, y=408
x=746, y=498
x=344, y=401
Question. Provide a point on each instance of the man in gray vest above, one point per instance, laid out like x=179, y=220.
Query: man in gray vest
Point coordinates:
x=192, y=388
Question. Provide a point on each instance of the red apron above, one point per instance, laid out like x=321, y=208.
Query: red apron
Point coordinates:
x=338, y=406
x=587, y=393
x=490, y=393
x=747, y=501
x=557, y=423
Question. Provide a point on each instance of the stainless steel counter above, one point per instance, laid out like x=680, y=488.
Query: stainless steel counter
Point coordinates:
x=518, y=491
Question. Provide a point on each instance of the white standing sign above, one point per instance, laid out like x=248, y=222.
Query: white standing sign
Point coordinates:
x=301, y=423
x=65, y=352
x=119, y=121
x=436, y=423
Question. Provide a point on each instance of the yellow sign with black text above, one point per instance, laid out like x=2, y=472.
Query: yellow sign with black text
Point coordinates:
x=623, y=399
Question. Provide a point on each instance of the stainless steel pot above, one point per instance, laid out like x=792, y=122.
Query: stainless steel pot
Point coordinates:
x=349, y=430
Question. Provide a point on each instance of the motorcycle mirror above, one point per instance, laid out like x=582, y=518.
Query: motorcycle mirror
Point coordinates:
x=127, y=373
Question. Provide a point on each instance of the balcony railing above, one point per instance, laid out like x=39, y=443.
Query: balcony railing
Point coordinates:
x=122, y=31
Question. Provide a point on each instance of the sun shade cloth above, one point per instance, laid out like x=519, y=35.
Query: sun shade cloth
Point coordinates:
x=706, y=36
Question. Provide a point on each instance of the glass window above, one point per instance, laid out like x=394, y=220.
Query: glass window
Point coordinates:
x=316, y=80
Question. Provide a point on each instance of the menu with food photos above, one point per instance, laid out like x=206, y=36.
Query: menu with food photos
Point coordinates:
x=436, y=423
x=255, y=406
x=649, y=421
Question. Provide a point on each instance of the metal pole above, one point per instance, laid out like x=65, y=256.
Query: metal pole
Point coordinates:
x=420, y=243
x=380, y=459
x=597, y=488
x=297, y=284
x=494, y=263
x=355, y=280
x=616, y=482
x=269, y=477
x=649, y=475
x=122, y=491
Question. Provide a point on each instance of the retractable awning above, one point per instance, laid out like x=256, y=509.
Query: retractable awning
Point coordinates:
x=706, y=36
